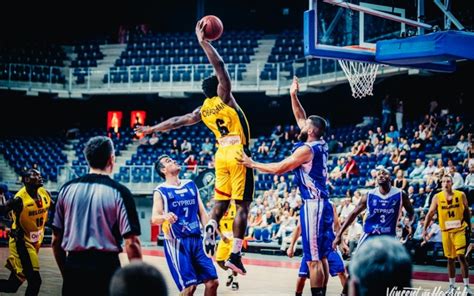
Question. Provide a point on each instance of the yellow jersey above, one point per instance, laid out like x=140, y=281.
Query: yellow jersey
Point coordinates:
x=224, y=120
x=225, y=225
x=451, y=214
x=31, y=219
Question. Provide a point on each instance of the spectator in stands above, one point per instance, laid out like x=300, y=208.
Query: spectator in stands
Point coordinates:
x=417, y=173
x=381, y=266
x=282, y=187
x=273, y=149
x=350, y=169
x=186, y=147
x=462, y=146
x=287, y=225
x=393, y=134
x=469, y=185
x=419, y=199
x=417, y=144
x=440, y=164
x=263, y=148
x=429, y=170
x=207, y=147
x=379, y=147
x=399, y=114
x=336, y=172
x=386, y=112
x=380, y=135
x=212, y=162
x=271, y=223
x=4, y=193
x=371, y=182
x=277, y=134
x=400, y=181
x=357, y=197
x=403, y=144
x=138, y=278
x=458, y=181
x=420, y=252
x=345, y=209
x=372, y=137
x=175, y=148
x=292, y=134
x=334, y=145
x=191, y=164
x=459, y=126
x=255, y=222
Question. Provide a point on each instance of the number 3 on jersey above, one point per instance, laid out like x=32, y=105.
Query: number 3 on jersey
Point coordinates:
x=221, y=127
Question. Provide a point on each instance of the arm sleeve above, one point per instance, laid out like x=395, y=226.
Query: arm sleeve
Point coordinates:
x=127, y=214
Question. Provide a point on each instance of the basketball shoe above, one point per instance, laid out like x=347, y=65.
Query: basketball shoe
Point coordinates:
x=209, y=240
x=235, y=263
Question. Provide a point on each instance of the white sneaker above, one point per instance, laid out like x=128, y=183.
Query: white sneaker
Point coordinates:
x=209, y=239
x=468, y=291
x=451, y=290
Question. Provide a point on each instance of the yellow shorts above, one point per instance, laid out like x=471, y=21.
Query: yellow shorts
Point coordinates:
x=454, y=243
x=23, y=256
x=223, y=250
x=233, y=180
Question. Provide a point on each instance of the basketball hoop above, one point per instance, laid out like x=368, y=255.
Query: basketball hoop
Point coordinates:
x=361, y=76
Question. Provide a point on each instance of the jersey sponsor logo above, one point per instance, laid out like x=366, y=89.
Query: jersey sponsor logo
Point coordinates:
x=181, y=191
x=35, y=236
x=212, y=111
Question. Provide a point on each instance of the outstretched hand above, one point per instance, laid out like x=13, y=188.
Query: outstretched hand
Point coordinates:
x=295, y=86
x=200, y=26
x=336, y=242
x=143, y=129
x=243, y=159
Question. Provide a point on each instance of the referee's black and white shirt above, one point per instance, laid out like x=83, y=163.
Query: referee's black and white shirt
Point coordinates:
x=95, y=212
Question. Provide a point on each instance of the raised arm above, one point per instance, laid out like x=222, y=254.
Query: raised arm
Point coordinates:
x=300, y=156
x=298, y=111
x=172, y=123
x=224, y=87
x=352, y=216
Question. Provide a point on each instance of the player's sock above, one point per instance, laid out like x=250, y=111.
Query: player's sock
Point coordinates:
x=237, y=247
x=452, y=281
x=466, y=281
x=316, y=291
x=298, y=293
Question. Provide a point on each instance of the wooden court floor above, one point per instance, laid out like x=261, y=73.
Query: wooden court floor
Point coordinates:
x=264, y=277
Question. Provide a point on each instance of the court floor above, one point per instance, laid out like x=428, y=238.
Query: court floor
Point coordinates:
x=266, y=275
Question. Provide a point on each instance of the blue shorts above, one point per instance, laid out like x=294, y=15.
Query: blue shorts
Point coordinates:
x=335, y=262
x=316, y=216
x=187, y=262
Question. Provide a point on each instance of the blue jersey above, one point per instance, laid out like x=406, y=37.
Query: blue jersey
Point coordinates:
x=181, y=200
x=311, y=176
x=383, y=211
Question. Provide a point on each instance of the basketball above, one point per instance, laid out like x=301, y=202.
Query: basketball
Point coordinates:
x=214, y=27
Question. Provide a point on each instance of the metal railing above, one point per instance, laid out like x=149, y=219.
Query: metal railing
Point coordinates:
x=161, y=78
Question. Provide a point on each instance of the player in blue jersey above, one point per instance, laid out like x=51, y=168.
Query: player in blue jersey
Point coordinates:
x=309, y=163
x=335, y=261
x=384, y=206
x=179, y=209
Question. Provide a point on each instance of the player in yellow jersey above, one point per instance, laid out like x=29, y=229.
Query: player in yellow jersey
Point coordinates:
x=224, y=247
x=29, y=210
x=454, y=220
x=223, y=116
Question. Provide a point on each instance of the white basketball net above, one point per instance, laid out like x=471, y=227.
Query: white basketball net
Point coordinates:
x=361, y=77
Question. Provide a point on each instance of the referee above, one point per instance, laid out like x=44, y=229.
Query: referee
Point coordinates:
x=94, y=214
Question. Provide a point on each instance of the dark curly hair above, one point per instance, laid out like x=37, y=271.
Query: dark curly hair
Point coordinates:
x=209, y=86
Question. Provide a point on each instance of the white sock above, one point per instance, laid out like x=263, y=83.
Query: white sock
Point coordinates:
x=237, y=247
x=452, y=281
x=466, y=281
